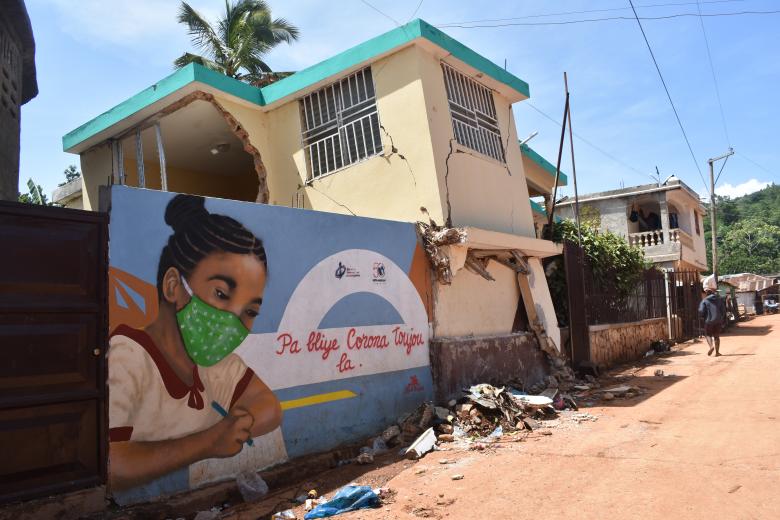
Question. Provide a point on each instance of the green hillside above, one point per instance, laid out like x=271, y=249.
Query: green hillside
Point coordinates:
x=748, y=233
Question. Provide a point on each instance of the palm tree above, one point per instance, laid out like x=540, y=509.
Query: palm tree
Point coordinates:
x=238, y=43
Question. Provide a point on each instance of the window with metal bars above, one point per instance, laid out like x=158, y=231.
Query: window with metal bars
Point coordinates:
x=473, y=114
x=341, y=124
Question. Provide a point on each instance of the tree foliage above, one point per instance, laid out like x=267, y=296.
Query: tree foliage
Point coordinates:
x=34, y=195
x=71, y=174
x=614, y=266
x=748, y=232
x=236, y=46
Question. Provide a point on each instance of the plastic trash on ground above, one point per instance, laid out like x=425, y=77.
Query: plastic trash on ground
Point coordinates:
x=251, y=486
x=349, y=498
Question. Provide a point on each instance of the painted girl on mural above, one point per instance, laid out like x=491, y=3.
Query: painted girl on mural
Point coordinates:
x=179, y=396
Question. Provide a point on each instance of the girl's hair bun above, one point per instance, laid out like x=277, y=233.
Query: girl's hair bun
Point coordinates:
x=185, y=210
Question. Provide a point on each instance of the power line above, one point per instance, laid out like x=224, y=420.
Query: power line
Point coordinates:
x=610, y=18
x=382, y=13
x=756, y=164
x=668, y=95
x=416, y=9
x=714, y=79
x=587, y=11
x=595, y=147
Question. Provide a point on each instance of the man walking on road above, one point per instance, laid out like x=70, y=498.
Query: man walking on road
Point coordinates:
x=713, y=311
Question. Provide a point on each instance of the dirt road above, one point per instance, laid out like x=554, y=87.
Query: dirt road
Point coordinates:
x=703, y=442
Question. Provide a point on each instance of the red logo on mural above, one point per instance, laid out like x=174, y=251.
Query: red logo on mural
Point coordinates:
x=414, y=385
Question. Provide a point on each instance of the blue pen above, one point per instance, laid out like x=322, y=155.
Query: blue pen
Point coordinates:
x=221, y=411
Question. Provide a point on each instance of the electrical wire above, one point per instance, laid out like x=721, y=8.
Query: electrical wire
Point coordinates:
x=757, y=165
x=595, y=147
x=416, y=9
x=668, y=95
x=587, y=11
x=610, y=18
x=382, y=13
x=714, y=79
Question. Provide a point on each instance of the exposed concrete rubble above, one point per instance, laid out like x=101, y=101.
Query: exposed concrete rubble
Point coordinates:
x=435, y=241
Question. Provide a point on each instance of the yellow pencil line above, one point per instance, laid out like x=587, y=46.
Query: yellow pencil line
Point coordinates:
x=317, y=399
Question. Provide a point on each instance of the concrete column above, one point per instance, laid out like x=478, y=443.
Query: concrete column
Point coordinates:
x=664, y=216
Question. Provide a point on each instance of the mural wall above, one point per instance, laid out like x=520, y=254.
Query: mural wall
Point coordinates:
x=244, y=335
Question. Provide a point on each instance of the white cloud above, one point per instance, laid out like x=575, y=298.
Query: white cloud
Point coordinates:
x=750, y=186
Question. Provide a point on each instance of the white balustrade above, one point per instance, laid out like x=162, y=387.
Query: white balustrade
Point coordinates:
x=646, y=238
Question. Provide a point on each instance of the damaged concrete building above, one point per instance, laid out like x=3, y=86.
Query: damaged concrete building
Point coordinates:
x=409, y=126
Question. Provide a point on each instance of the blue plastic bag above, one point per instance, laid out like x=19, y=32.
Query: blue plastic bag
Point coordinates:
x=349, y=498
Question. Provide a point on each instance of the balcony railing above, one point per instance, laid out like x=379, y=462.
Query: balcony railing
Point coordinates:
x=656, y=238
x=646, y=238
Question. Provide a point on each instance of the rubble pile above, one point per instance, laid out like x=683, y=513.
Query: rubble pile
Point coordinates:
x=486, y=408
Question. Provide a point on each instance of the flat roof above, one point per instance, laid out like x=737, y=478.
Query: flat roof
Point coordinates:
x=364, y=52
x=546, y=165
x=670, y=184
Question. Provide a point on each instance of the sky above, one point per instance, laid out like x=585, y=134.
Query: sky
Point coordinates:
x=93, y=54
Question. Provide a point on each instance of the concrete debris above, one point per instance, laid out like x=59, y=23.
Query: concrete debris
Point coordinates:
x=391, y=434
x=442, y=413
x=445, y=428
x=422, y=445
x=284, y=515
x=619, y=391
x=433, y=239
x=384, y=493
x=365, y=458
x=659, y=373
x=583, y=417
x=457, y=477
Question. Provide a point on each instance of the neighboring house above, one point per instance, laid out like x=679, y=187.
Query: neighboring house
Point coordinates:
x=748, y=284
x=409, y=126
x=664, y=220
x=69, y=195
x=18, y=85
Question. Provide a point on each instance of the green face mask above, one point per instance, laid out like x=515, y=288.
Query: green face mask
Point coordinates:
x=209, y=333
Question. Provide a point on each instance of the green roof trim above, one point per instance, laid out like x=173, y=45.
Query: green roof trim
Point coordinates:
x=300, y=80
x=544, y=163
x=538, y=208
x=470, y=57
x=166, y=86
x=384, y=43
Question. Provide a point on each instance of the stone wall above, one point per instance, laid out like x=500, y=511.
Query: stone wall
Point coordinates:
x=617, y=343
x=461, y=362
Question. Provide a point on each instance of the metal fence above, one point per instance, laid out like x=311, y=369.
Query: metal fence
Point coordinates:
x=607, y=304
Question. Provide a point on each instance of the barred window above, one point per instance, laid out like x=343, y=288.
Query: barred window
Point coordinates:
x=473, y=114
x=341, y=124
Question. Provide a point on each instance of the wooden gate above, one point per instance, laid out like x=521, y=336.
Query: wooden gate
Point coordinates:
x=53, y=278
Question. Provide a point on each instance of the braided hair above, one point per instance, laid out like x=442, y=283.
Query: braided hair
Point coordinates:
x=198, y=233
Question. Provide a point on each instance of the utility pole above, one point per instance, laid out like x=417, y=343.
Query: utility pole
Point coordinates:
x=713, y=224
x=573, y=167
